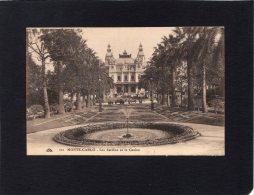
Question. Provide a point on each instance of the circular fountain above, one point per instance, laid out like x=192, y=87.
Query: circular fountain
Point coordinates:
x=126, y=133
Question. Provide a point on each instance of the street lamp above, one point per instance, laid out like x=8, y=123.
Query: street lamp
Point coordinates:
x=100, y=106
x=151, y=94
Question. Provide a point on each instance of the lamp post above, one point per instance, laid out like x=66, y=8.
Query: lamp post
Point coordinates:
x=100, y=106
x=151, y=94
x=127, y=118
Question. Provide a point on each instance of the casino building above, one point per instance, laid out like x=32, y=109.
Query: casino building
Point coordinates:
x=125, y=72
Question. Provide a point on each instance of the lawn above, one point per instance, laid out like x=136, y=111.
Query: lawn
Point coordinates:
x=67, y=119
x=139, y=112
x=183, y=115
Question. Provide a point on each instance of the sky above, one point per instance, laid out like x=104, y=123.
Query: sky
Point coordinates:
x=123, y=38
x=120, y=39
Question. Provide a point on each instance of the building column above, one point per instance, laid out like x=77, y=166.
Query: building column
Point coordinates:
x=122, y=87
x=136, y=77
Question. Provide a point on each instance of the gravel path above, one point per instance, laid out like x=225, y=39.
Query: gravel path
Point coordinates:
x=210, y=143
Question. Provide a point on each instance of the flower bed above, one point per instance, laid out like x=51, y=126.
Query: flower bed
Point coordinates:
x=77, y=136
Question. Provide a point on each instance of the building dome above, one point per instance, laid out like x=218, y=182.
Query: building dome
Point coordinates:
x=125, y=55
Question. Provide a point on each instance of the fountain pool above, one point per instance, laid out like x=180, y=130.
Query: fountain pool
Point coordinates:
x=141, y=134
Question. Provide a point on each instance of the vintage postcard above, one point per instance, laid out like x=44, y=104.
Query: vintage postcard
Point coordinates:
x=125, y=91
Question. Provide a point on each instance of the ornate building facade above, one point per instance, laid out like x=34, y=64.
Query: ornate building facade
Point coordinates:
x=125, y=72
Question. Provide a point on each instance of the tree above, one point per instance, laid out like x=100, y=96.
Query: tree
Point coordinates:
x=172, y=60
x=201, y=54
x=34, y=89
x=150, y=80
x=64, y=47
x=218, y=60
x=99, y=81
x=181, y=79
x=107, y=82
x=37, y=48
x=204, y=45
x=158, y=60
x=188, y=50
x=204, y=54
x=166, y=58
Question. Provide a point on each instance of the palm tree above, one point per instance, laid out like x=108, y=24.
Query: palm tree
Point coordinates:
x=181, y=79
x=158, y=60
x=218, y=59
x=189, y=38
x=150, y=77
x=201, y=54
x=172, y=59
x=210, y=55
x=190, y=45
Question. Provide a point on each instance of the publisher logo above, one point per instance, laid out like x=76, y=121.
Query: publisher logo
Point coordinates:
x=49, y=150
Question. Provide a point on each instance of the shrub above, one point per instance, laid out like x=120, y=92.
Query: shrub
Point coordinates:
x=217, y=104
x=54, y=108
x=34, y=109
x=68, y=106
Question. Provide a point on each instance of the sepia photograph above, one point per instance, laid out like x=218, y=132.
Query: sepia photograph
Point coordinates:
x=125, y=91
x=126, y=97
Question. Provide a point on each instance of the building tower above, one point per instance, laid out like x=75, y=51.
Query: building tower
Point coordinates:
x=109, y=59
x=140, y=60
